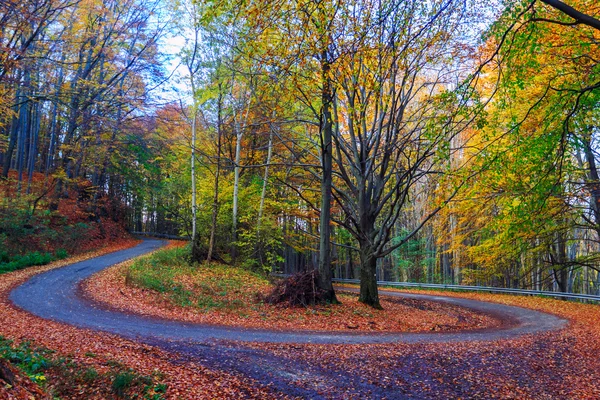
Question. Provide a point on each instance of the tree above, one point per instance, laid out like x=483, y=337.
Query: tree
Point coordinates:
x=393, y=121
x=535, y=223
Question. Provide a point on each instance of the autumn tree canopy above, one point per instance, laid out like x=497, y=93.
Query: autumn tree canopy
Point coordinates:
x=442, y=141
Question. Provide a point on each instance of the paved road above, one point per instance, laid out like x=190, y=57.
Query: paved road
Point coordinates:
x=53, y=295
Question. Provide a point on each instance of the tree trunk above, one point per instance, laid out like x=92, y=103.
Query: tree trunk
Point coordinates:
x=369, y=294
x=263, y=193
x=236, y=188
x=12, y=143
x=193, y=172
x=54, y=120
x=215, y=205
x=33, y=144
x=22, y=139
x=593, y=181
x=325, y=272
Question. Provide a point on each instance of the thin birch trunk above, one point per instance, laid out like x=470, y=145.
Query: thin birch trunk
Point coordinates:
x=193, y=169
x=215, y=206
x=265, y=179
x=240, y=126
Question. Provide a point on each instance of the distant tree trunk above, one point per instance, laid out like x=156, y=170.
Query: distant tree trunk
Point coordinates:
x=236, y=185
x=263, y=193
x=13, y=138
x=193, y=172
x=558, y=257
x=33, y=143
x=23, y=126
x=54, y=120
x=239, y=127
x=593, y=180
x=215, y=205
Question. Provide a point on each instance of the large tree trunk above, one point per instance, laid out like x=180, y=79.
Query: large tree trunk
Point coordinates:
x=368, y=277
x=325, y=272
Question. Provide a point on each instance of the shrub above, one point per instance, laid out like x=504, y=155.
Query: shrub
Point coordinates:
x=29, y=259
x=61, y=254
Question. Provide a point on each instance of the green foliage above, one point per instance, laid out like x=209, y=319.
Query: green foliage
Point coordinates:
x=122, y=382
x=126, y=381
x=14, y=263
x=157, y=272
x=261, y=249
x=90, y=375
x=31, y=360
x=61, y=254
x=28, y=239
x=413, y=259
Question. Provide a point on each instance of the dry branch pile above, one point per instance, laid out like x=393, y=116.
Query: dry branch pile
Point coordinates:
x=300, y=289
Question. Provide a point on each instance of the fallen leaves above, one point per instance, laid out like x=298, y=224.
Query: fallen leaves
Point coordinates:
x=554, y=365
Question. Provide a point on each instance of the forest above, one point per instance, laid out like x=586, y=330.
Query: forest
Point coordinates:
x=448, y=141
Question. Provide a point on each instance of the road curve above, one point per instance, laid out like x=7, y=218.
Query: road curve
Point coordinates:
x=53, y=295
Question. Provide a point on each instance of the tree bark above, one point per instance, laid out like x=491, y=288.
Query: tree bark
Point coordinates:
x=193, y=172
x=575, y=14
x=263, y=193
x=369, y=294
x=215, y=205
x=325, y=272
x=236, y=189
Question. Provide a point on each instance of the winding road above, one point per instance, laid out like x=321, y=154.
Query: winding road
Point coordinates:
x=54, y=295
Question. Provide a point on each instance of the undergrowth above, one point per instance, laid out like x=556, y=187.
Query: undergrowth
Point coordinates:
x=10, y=263
x=62, y=377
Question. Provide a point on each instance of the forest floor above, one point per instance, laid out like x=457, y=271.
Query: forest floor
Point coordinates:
x=559, y=364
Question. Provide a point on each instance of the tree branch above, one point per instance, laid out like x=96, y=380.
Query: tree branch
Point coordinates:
x=573, y=13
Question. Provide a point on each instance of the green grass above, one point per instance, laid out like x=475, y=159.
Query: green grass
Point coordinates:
x=204, y=287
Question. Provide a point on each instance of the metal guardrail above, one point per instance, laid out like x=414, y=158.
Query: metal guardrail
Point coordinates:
x=160, y=235
x=572, y=296
x=561, y=295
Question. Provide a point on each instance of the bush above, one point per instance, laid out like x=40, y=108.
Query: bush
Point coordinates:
x=31, y=361
x=261, y=250
x=30, y=259
x=61, y=254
